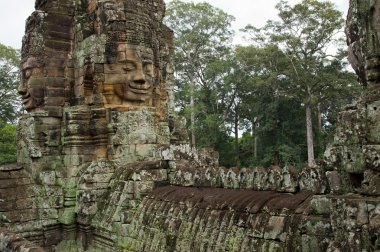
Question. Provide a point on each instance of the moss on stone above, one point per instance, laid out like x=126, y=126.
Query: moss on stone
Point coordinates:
x=68, y=216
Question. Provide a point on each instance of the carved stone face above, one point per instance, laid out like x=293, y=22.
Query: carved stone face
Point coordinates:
x=130, y=79
x=31, y=87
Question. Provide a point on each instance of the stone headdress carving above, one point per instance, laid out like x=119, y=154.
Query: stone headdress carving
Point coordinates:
x=103, y=53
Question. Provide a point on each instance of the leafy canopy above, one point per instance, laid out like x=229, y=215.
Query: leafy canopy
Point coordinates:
x=10, y=104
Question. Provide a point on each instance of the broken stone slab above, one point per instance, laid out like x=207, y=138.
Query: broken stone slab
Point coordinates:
x=313, y=179
x=10, y=167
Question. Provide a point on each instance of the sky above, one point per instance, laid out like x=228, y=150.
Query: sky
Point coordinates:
x=13, y=14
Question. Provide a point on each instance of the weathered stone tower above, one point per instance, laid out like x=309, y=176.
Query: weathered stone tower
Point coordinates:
x=104, y=164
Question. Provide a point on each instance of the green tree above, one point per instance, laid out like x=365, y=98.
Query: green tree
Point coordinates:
x=262, y=71
x=306, y=33
x=8, y=147
x=9, y=79
x=202, y=39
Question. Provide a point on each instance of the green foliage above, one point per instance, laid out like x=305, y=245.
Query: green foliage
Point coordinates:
x=202, y=40
x=225, y=147
x=272, y=116
x=315, y=73
x=246, y=145
x=261, y=89
x=9, y=79
x=8, y=148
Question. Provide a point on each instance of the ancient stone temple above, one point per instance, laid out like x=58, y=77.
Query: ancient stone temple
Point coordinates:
x=104, y=164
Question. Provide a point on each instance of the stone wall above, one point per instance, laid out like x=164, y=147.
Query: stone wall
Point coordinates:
x=205, y=219
x=12, y=242
x=28, y=208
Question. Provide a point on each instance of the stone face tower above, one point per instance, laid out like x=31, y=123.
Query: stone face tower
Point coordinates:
x=96, y=81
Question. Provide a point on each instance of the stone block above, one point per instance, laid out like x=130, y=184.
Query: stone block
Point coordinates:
x=144, y=151
x=71, y=160
x=69, y=203
x=372, y=156
x=374, y=216
x=67, y=216
x=317, y=226
x=11, y=241
x=314, y=243
x=55, y=101
x=347, y=131
x=15, y=216
x=19, y=204
x=339, y=183
x=260, y=178
x=167, y=154
x=362, y=214
x=9, y=167
x=275, y=228
x=70, y=192
x=142, y=188
x=274, y=178
x=141, y=138
x=371, y=183
x=373, y=114
x=48, y=213
x=313, y=179
x=231, y=179
x=163, y=136
x=257, y=223
x=150, y=175
x=19, y=192
x=321, y=205
x=210, y=178
x=12, y=183
x=47, y=177
x=246, y=178
x=273, y=246
x=353, y=159
x=289, y=182
x=13, y=174
x=67, y=183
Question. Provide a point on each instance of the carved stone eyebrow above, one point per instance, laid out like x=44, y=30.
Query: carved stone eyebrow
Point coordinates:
x=128, y=61
x=147, y=61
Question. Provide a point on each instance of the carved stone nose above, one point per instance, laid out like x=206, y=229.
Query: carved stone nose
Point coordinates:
x=21, y=89
x=139, y=77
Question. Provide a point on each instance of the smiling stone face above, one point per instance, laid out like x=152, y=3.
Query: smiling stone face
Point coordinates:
x=32, y=88
x=123, y=59
x=131, y=79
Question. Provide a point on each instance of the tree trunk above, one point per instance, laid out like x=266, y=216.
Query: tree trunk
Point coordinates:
x=254, y=137
x=319, y=117
x=276, y=158
x=192, y=115
x=309, y=134
x=236, y=126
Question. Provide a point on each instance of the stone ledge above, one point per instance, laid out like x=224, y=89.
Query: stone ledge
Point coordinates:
x=13, y=242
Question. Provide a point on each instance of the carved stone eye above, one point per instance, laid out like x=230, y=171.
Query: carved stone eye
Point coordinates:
x=27, y=73
x=148, y=69
x=129, y=66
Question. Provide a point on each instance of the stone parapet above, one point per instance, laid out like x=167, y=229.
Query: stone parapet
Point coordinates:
x=205, y=219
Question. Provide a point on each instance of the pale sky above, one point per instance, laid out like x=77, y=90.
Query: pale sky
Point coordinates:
x=13, y=14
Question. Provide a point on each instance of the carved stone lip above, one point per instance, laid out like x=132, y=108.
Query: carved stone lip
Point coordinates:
x=139, y=89
x=25, y=98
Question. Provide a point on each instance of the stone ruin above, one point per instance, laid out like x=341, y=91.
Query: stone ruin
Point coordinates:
x=104, y=164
